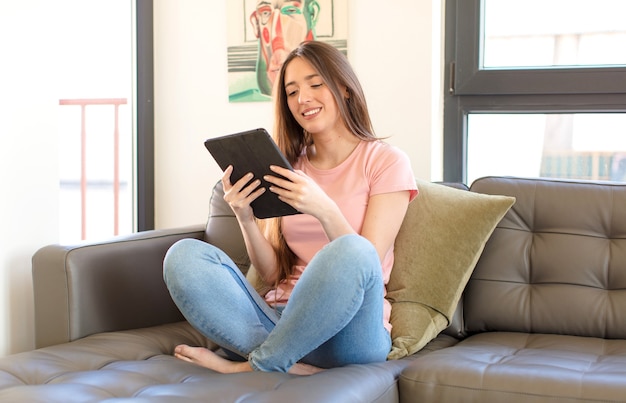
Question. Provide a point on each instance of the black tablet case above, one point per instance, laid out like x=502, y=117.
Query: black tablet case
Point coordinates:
x=252, y=151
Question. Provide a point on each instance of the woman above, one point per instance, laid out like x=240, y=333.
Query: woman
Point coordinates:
x=329, y=265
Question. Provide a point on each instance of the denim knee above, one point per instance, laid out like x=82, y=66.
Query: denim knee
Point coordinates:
x=355, y=245
x=355, y=250
x=180, y=254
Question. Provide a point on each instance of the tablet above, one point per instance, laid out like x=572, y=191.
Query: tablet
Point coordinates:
x=252, y=151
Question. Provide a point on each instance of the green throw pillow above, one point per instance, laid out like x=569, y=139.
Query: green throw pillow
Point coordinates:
x=436, y=250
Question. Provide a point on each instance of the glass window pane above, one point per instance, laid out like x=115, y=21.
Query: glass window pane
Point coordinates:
x=542, y=33
x=95, y=92
x=573, y=146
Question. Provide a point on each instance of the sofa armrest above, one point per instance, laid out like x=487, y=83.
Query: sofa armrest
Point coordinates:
x=105, y=286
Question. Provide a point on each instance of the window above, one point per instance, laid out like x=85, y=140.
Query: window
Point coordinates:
x=102, y=144
x=540, y=33
x=535, y=88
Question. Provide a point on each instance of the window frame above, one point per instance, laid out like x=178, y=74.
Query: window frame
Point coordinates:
x=471, y=89
x=144, y=105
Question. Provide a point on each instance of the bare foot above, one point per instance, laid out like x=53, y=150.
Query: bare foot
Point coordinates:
x=300, y=368
x=208, y=359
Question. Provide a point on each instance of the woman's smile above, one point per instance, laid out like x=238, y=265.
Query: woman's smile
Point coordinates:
x=310, y=113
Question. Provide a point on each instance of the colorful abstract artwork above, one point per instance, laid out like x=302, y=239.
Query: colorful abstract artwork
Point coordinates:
x=261, y=33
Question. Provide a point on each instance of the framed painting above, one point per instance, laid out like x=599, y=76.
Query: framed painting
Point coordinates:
x=261, y=33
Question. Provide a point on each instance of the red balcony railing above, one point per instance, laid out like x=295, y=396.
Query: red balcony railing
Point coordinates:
x=83, y=103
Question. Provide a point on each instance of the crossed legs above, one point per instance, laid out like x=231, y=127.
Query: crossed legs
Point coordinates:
x=333, y=318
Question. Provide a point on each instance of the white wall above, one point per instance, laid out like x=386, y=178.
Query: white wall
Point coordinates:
x=28, y=160
x=395, y=49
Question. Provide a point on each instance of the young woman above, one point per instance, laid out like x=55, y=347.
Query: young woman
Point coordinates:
x=329, y=265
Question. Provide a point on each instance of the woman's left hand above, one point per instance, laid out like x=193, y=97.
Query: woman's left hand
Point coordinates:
x=300, y=192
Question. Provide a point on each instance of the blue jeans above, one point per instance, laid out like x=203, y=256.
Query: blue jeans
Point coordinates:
x=334, y=316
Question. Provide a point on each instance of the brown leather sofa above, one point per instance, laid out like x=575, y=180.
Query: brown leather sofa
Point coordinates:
x=543, y=317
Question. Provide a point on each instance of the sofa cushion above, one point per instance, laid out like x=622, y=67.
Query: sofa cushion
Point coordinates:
x=93, y=287
x=438, y=245
x=556, y=263
x=223, y=231
x=138, y=366
x=519, y=367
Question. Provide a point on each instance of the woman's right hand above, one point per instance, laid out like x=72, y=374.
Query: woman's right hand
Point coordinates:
x=240, y=194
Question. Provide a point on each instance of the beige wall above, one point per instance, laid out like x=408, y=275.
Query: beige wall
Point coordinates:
x=395, y=49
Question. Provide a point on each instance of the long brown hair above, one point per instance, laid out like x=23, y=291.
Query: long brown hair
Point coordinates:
x=336, y=72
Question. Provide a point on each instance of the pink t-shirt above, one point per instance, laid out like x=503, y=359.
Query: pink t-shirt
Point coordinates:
x=374, y=167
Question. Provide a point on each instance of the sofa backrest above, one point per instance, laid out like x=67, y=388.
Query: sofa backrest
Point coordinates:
x=223, y=231
x=556, y=263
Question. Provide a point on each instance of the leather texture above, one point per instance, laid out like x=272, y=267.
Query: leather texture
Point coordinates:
x=520, y=367
x=223, y=230
x=557, y=257
x=99, y=287
x=545, y=308
x=138, y=366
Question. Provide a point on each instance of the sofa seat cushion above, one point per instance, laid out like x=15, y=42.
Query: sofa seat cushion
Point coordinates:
x=512, y=367
x=137, y=365
x=99, y=367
